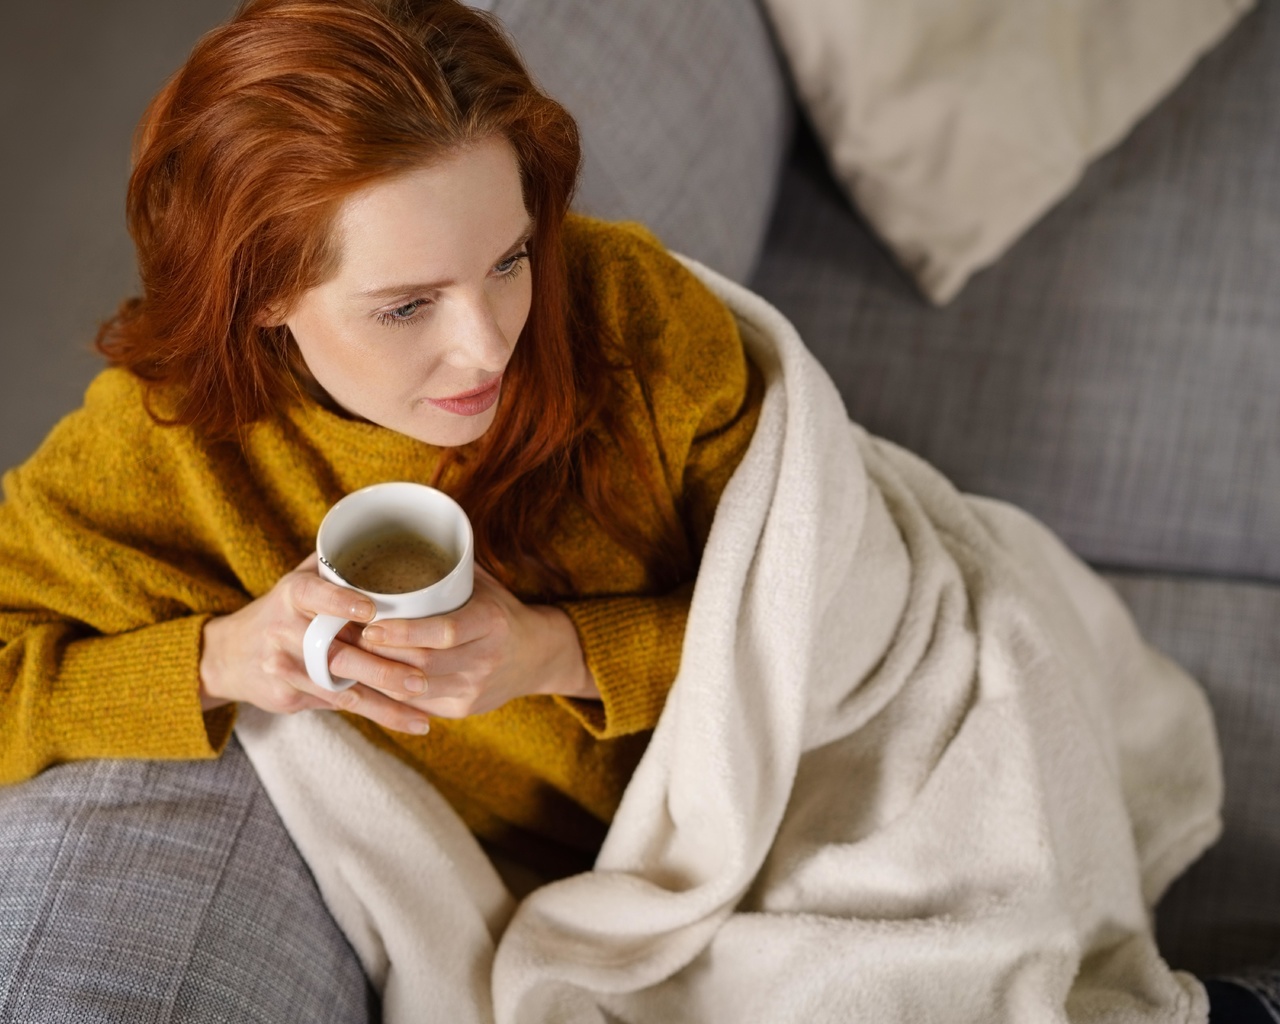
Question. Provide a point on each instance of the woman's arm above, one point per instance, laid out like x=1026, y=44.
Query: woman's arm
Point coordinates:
x=632, y=644
x=69, y=695
x=697, y=404
x=128, y=556
x=100, y=635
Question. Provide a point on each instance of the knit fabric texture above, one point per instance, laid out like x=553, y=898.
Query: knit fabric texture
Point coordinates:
x=120, y=538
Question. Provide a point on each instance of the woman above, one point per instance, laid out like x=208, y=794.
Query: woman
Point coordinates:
x=357, y=265
x=351, y=220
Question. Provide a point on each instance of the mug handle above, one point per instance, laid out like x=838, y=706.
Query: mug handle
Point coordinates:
x=315, y=652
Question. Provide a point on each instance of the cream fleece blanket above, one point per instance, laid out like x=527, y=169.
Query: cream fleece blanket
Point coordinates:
x=917, y=766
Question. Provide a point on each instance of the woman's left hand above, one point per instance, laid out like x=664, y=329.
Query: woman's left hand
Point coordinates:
x=491, y=650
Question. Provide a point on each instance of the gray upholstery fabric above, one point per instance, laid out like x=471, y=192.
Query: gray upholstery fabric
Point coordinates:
x=683, y=110
x=1224, y=913
x=158, y=893
x=1118, y=371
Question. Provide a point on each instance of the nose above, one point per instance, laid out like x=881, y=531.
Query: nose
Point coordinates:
x=476, y=336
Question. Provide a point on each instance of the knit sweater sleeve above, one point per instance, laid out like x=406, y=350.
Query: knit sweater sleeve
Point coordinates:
x=100, y=622
x=702, y=401
x=633, y=644
x=70, y=697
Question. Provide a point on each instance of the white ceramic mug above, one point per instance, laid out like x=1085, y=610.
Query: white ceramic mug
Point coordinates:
x=414, y=508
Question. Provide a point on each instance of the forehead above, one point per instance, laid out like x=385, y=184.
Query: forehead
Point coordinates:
x=452, y=215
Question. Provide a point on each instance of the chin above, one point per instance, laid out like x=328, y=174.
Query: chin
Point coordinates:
x=446, y=430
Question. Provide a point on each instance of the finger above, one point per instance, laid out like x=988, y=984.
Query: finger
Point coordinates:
x=350, y=633
x=288, y=688
x=310, y=593
x=395, y=678
x=309, y=564
x=358, y=699
x=381, y=709
x=451, y=696
x=438, y=632
x=452, y=686
x=467, y=658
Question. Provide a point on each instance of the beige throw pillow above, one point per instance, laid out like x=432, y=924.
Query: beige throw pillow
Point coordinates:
x=954, y=124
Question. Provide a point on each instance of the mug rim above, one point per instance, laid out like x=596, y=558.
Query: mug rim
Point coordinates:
x=464, y=555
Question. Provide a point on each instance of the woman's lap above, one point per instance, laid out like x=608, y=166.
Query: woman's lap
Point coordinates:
x=156, y=893
x=163, y=892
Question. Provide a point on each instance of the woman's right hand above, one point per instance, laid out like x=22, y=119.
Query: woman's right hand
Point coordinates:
x=254, y=655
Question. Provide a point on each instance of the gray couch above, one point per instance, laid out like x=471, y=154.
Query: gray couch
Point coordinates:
x=1117, y=372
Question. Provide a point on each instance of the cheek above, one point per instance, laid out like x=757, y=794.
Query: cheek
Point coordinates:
x=514, y=311
x=330, y=359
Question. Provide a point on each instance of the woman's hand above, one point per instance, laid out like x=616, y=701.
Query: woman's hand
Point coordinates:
x=255, y=655
x=491, y=650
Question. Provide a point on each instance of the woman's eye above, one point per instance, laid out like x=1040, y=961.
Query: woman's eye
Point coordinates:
x=402, y=314
x=512, y=264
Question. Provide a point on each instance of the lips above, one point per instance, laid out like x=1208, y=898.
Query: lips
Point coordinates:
x=473, y=402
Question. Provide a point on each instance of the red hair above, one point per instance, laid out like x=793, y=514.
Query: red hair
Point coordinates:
x=240, y=165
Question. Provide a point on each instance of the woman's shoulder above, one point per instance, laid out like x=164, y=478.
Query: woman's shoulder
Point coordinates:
x=646, y=304
x=592, y=237
x=115, y=391
x=625, y=263
x=111, y=435
x=114, y=408
x=117, y=408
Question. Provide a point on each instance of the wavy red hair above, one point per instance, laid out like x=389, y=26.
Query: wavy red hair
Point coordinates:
x=240, y=165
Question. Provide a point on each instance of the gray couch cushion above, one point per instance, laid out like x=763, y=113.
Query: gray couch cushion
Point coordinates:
x=1225, y=912
x=1118, y=371
x=683, y=108
x=164, y=891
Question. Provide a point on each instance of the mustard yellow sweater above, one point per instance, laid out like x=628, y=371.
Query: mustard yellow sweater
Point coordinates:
x=120, y=538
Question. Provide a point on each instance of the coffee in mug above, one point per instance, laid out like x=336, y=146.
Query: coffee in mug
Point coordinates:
x=393, y=561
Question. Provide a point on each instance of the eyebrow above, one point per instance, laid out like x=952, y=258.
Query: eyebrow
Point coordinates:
x=396, y=290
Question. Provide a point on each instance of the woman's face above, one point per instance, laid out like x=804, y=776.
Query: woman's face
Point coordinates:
x=433, y=288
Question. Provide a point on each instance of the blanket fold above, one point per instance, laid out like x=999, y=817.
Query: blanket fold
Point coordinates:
x=917, y=765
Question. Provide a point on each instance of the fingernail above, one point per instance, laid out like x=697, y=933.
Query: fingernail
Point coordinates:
x=362, y=609
x=374, y=633
x=415, y=683
x=421, y=727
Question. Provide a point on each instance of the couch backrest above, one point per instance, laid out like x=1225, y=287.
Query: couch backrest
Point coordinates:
x=684, y=111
